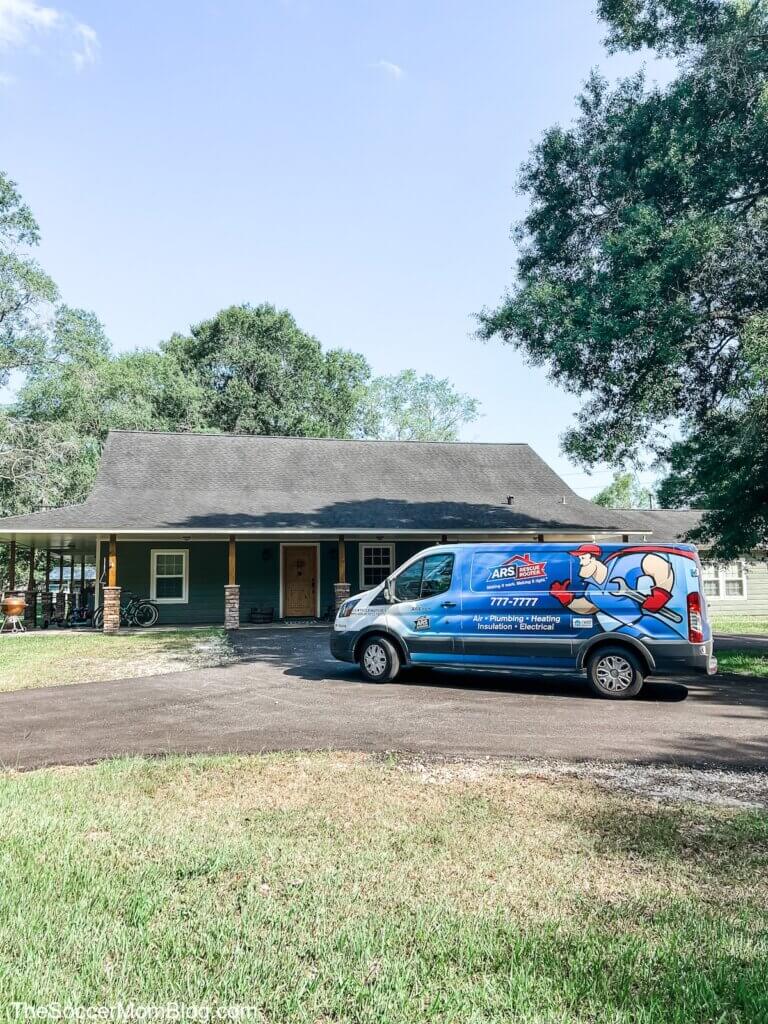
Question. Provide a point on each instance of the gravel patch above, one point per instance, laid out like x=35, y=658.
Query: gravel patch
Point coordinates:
x=207, y=652
x=663, y=784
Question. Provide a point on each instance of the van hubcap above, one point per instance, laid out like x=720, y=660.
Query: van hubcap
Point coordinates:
x=375, y=659
x=614, y=673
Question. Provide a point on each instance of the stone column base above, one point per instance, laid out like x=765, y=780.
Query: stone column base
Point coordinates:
x=232, y=606
x=46, y=599
x=112, y=609
x=341, y=592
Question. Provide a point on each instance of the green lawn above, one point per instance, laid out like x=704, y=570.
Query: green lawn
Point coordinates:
x=742, y=663
x=334, y=888
x=46, y=659
x=739, y=624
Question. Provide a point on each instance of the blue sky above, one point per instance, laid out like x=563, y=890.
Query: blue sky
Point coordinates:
x=352, y=161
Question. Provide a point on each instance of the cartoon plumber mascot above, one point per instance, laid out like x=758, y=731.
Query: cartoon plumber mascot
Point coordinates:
x=631, y=590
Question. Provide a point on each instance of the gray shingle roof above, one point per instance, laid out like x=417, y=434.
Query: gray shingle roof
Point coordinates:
x=152, y=480
x=665, y=524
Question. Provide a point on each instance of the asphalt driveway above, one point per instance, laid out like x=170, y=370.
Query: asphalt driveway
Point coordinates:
x=288, y=693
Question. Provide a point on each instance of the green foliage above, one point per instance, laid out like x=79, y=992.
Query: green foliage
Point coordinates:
x=51, y=437
x=743, y=663
x=406, y=407
x=669, y=26
x=722, y=462
x=756, y=625
x=624, y=491
x=259, y=373
x=24, y=288
x=644, y=255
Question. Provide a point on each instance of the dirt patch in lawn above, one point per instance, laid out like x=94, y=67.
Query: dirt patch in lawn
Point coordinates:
x=663, y=784
x=51, y=659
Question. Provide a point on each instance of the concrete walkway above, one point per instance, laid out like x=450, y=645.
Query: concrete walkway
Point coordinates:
x=289, y=693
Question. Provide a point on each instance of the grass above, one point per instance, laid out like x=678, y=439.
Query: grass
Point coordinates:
x=743, y=663
x=328, y=887
x=46, y=659
x=739, y=624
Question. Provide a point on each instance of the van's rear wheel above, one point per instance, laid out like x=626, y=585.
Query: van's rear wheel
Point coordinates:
x=378, y=659
x=615, y=673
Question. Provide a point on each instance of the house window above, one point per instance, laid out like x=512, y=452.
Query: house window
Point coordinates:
x=376, y=563
x=724, y=581
x=169, y=576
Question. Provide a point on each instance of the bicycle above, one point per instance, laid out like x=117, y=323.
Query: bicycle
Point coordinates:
x=137, y=611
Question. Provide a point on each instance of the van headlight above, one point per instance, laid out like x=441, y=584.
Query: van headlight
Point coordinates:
x=346, y=609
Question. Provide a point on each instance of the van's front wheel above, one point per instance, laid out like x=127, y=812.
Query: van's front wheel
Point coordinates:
x=378, y=659
x=615, y=673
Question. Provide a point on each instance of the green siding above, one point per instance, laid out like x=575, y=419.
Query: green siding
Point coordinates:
x=258, y=573
x=207, y=576
x=329, y=567
x=353, y=565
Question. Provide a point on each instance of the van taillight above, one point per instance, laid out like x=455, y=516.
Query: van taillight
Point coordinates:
x=695, y=619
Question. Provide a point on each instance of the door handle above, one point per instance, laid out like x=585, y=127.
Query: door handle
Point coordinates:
x=448, y=604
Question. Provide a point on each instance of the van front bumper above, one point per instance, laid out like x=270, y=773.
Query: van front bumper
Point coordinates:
x=343, y=645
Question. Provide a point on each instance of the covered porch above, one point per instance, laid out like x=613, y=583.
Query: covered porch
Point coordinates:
x=196, y=579
x=53, y=576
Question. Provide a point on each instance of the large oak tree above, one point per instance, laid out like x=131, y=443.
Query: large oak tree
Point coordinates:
x=643, y=270
x=260, y=373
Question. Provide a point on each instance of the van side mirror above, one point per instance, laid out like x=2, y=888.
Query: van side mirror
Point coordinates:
x=389, y=596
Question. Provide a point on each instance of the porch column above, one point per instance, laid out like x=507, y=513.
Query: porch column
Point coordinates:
x=71, y=598
x=47, y=596
x=30, y=611
x=59, y=602
x=231, y=590
x=341, y=589
x=112, y=591
x=12, y=566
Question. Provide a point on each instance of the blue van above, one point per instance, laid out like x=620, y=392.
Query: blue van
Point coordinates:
x=618, y=612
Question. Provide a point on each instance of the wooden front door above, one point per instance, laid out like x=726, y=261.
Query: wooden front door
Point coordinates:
x=299, y=581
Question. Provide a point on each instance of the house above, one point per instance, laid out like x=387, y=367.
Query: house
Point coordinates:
x=221, y=528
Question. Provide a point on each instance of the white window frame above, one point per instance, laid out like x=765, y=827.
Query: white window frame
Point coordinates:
x=375, y=544
x=716, y=571
x=154, y=552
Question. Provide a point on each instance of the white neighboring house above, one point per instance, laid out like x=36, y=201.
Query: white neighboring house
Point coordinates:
x=734, y=588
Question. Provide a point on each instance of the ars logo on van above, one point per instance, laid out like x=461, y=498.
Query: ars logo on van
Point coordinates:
x=518, y=567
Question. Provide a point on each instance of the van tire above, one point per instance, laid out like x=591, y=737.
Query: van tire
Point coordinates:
x=615, y=673
x=378, y=659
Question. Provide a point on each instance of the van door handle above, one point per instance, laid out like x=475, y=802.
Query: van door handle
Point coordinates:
x=448, y=604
